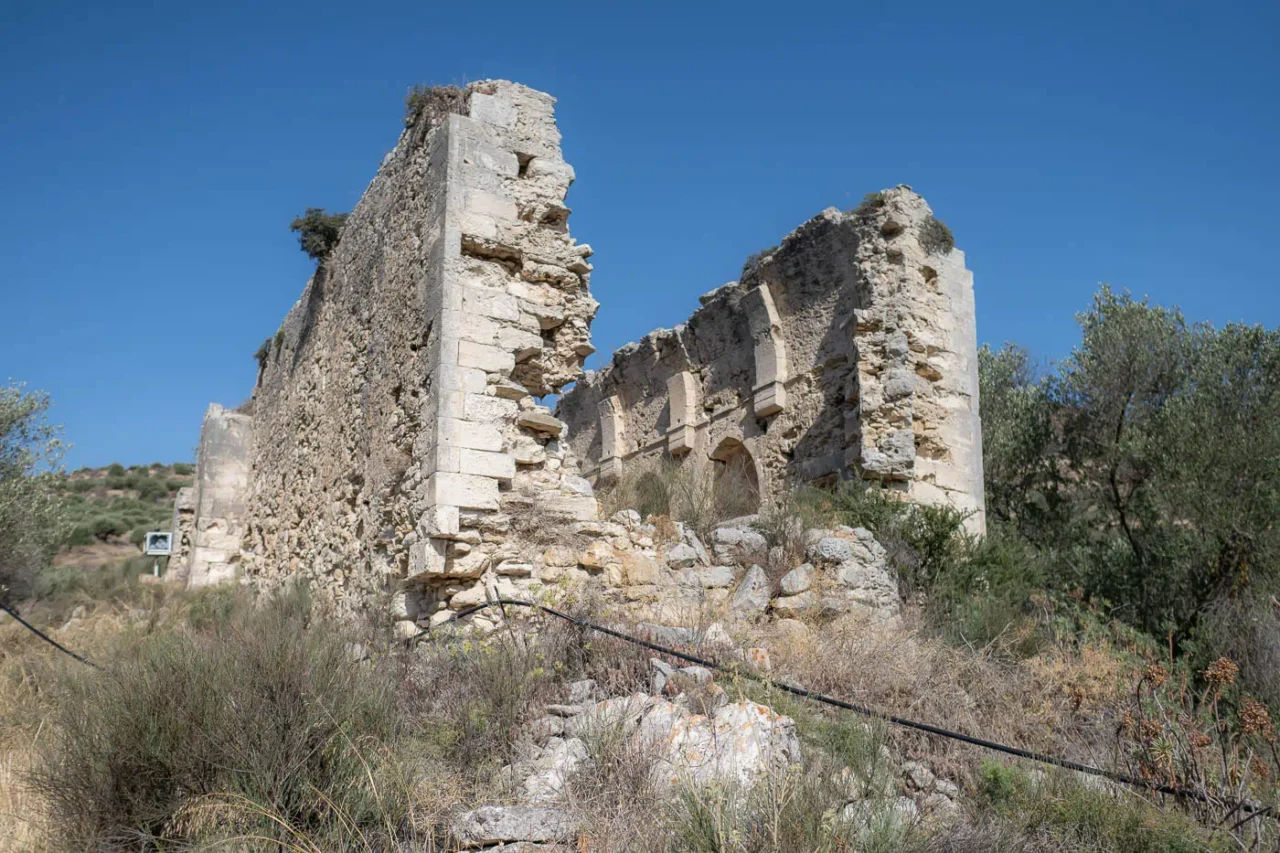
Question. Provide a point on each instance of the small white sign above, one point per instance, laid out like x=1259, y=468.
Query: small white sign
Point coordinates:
x=158, y=544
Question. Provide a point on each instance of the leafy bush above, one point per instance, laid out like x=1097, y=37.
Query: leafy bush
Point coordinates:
x=115, y=469
x=936, y=237
x=318, y=233
x=262, y=727
x=184, y=469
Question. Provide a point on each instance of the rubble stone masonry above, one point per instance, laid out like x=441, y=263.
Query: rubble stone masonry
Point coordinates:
x=393, y=447
x=848, y=351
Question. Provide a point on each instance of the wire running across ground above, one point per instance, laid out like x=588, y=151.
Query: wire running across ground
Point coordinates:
x=1043, y=758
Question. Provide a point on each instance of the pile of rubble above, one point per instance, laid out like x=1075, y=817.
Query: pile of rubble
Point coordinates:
x=689, y=735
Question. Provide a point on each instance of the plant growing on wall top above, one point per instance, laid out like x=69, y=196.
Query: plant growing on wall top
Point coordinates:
x=433, y=103
x=936, y=237
x=318, y=232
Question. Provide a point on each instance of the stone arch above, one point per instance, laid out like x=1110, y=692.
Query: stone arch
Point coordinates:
x=736, y=480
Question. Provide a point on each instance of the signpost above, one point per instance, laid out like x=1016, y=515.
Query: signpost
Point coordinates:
x=157, y=544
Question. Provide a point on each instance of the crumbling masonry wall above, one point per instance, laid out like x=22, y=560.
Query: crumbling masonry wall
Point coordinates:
x=394, y=420
x=848, y=351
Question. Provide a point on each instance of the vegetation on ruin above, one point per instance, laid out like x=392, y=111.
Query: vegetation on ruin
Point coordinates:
x=870, y=203
x=432, y=103
x=935, y=236
x=318, y=232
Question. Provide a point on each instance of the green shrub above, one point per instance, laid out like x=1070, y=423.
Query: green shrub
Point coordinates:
x=262, y=727
x=115, y=469
x=318, y=233
x=870, y=203
x=936, y=237
x=184, y=469
x=1072, y=815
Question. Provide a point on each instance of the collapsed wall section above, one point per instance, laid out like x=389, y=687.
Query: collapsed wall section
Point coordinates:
x=394, y=415
x=848, y=351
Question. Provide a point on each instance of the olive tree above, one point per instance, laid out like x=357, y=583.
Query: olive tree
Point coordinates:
x=1148, y=462
x=31, y=516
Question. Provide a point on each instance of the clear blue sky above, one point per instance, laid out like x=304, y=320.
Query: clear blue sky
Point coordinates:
x=152, y=156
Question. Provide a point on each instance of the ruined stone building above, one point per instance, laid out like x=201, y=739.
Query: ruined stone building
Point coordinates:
x=394, y=446
x=850, y=350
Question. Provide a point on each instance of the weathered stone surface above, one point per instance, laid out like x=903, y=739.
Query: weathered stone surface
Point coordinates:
x=394, y=411
x=739, y=745
x=553, y=769
x=490, y=825
x=752, y=595
x=541, y=422
x=732, y=544
x=797, y=580
x=850, y=349
x=682, y=556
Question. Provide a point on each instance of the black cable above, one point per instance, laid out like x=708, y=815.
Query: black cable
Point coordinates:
x=42, y=635
x=1041, y=757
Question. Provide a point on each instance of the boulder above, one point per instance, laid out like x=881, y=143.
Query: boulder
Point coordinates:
x=553, y=769
x=792, y=605
x=621, y=713
x=490, y=825
x=752, y=596
x=797, y=580
x=738, y=745
x=682, y=556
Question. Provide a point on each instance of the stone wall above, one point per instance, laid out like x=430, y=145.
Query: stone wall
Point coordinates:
x=849, y=350
x=394, y=450
x=394, y=418
x=215, y=517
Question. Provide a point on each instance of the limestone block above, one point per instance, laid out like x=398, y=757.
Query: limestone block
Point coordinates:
x=568, y=507
x=492, y=825
x=500, y=466
x=639, y=570
x=468, y=491
x=491, y=359
x=791, y=605
x=489, y=157
x=457, y=432
x=493, y=110
x=482, y=408
x=541, y=422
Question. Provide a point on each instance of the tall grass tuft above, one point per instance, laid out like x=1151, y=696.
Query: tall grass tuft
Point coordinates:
x=263, y=713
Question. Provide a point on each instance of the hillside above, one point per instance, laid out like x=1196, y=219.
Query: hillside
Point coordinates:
x=109, y=509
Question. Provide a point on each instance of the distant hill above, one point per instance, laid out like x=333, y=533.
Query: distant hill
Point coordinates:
x=115, y=506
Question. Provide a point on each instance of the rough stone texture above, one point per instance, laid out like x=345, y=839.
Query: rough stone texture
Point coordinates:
x=394, y=414
x=849, y=351
x=393, y=446
x=752, y=596
x=489, y=825
x=184, y=533
x=739, y=745
x=222, y=477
